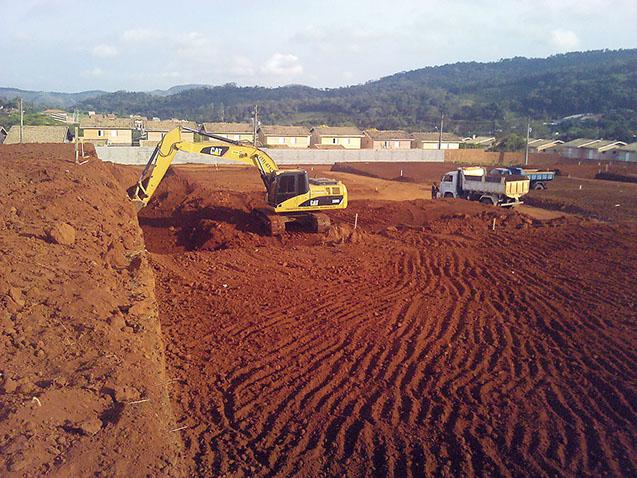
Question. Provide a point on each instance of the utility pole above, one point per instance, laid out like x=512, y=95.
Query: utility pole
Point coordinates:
x=255, y=125
x=526, y=150
x=21, y=121
x=442, y=123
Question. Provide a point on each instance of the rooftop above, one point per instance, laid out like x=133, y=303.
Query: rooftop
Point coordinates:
x=37, y=134
x=479, y=139
x=388, y=135
x=338, y=131
x=165, y=126
x=228, y=128
x=278, y=130
x=434, y=136
x=106, y=122
x=579, y=142
x=604, y=145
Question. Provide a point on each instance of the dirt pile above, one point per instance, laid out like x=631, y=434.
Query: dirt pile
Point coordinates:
x=82, y=378
x=425, y=342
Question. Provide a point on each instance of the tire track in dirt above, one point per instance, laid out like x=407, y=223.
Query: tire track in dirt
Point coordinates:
x=418, y=351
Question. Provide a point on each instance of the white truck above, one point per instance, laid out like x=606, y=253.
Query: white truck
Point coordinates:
x=474, y=184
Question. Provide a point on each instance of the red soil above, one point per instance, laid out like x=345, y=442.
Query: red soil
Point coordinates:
x=422, y=343
x=82, y=373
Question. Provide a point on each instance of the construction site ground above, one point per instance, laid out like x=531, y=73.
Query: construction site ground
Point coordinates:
x=437, y=338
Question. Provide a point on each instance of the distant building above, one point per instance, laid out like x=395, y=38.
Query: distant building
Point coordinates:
x=38, y=134
x=3, y=134
x=233, y=131
x=481, y=142
x=156, y=130
x=626, y=153
x=388, y=139
x=58, y=115
x=430, y=140
x=592, y=149
x=107, y=130
x=276, y=136
x=544, y=145
x=340, y=137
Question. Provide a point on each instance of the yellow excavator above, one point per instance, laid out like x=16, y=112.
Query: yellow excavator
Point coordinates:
x=291, y=195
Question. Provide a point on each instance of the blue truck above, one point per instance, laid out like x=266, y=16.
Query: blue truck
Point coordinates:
x=538, y=178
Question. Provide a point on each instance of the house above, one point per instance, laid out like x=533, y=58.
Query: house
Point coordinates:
x=571, y=149
x=431, y=140
x=584, y=148
x=600, y=150
x=234, y=131
x=276, y=136
x=626, y=153
x=479, y=142
x=156, y=130
x=544, y=145
x=105, y=130
x=38, y=134
x=3, y=134
x=389, y=139
x=341, y=137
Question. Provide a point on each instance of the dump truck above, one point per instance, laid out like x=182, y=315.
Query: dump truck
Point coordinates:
x=537, y=177
x=474, y=184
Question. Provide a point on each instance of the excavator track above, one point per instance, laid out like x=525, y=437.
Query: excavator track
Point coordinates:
x=320, y=222
x=273, y=224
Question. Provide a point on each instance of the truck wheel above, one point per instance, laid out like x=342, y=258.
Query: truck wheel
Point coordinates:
x=486, y=201
x=448, y=195
x=539, y=186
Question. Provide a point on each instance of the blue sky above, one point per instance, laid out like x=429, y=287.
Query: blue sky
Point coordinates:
x=70, y=45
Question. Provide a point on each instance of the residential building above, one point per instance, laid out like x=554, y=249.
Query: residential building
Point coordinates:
x=389, y=139
x=592, y=149
x=571, y=149
x=544, y=145
x=109, y=131
x=601, y=150
x=156, y=130
x=341, y=137
x=626, y=153
x=3, y=134
x=276, y=136
x=432, y=140
x=38, y=134
x=479, y=142
x=234, y=131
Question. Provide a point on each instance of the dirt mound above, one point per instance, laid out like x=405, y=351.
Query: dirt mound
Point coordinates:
x=425, y=342
x=82, y=372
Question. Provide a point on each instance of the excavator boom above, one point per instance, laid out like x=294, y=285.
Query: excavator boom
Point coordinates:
x=172, y=143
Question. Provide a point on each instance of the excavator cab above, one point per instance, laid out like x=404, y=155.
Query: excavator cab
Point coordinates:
x=286, y=185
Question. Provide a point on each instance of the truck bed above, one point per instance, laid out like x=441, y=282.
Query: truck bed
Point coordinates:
x=510, y=186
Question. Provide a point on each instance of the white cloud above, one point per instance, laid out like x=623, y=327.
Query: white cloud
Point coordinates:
x=564, y=40
x=93, y=72
x=283, y=64
x=105, y=51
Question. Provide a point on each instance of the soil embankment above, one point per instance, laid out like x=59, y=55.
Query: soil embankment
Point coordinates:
x=83, y=388
x=425, y=342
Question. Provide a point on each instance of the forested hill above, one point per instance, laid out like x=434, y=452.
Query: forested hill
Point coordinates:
x=474, y=96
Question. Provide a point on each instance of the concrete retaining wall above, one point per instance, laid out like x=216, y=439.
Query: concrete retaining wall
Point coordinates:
x=140, y=155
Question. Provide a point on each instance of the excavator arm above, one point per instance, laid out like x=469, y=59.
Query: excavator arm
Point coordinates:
x=142, y=191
